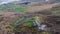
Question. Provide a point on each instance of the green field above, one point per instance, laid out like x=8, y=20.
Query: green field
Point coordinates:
x=16, y=8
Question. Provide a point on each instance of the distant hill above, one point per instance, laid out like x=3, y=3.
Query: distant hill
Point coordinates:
x=53, y=1
x=17, y=5
x=35, y=0
x=47, y=1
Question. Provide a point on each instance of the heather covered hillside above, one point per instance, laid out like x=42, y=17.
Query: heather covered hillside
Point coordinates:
x=30, y=17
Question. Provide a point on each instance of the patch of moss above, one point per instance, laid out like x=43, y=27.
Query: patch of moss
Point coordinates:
x=29, y=23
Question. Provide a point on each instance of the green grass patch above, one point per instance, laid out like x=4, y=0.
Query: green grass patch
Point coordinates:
x=16, y=8
x=29, y=23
